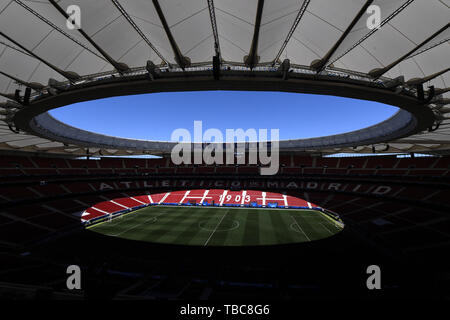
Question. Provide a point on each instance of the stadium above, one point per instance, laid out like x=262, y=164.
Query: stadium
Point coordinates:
x=139, y=226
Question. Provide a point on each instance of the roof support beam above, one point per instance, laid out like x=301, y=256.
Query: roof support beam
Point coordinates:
x=442, y=91
x=415, y=81
x=9, y=96
x=51, y=24
x=16, y=96
x=212, y=15
x=33, y=85
x=389, y=18
x=14, y=48
x=252, y=59
x=293, y=28
x=443, y=41
x=319, y=65
x=216, y=67
x=120, y=67
x=72, y=76
x=182, y=61
x=139, y=31
x=378, y=72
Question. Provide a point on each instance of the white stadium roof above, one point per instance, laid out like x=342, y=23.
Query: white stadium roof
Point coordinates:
x=327, y=42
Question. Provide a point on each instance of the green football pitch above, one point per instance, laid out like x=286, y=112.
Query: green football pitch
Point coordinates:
x=223, y=226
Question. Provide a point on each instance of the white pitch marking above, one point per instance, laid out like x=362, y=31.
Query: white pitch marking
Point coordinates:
x=295, y=222
x=215, y=229
x=117, y=234
x=326, y=228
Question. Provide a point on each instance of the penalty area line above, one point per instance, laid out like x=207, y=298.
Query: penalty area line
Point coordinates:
x=296, y=223
x=323, y=225
x=139, y=224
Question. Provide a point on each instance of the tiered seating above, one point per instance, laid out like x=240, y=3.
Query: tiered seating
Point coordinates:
x=415, y=192
x=125, y=171
x=185, y=170
x=443, y=163
x=65, y=205
x=302, y=161
x=291, y=171
x=428, y=172
x=21, y=233
x=50, y=162
x=205, y=170
x=422, y=162
x=313, y=170
x=10, y=172
x=167, y=170
x=26, y=212
x=289, y=165
x=215, y=195
x=12, y=162
x=157, y=197
x=174, y=197
x=327, y=162
x=16, y=193
x=55, y=220
x=419, y=215
x=440, y=197
x=382, y=162
x=158, y=162
x=226, y=170
x=101, y=172
x=351, y=162
x=297, y=202
x=91, y=213
x=356, y=207
x=49, y=189
x=218, y=196
x=195, y=196
x=111, y=163
x=144, y=198
x=128, y=202
x=285, y=160
x=82, y=163
x=73, y=171
x=133, y=163
x=108, y=206
x=77, y=187
x=415, y=236
x=40, y=171
x=147, y=171
x=248, y=170
x=4, y=220
x=232, y=197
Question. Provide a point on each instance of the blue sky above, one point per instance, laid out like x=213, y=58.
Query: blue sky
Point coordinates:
x=155, y=116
